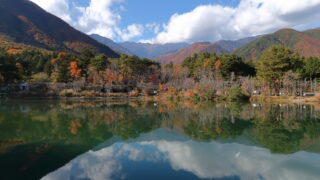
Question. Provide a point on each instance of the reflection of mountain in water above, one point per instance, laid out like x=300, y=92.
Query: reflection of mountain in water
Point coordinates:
x=58, y=131
x=171, y=156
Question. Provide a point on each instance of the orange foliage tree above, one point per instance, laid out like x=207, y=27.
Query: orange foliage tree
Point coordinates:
x=112, y=76
x=75, y=71
x=61, y=57
x=20, y=68
x=218, y=64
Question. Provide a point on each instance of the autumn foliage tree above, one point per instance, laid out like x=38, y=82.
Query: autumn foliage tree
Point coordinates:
x=61, y=71
x=75, y=71
x=112, y=76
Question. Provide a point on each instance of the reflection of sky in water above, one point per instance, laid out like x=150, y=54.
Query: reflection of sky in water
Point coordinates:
x=179, y=159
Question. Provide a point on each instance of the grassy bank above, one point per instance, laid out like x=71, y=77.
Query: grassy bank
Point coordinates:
x=286, y=99
x=234, y=94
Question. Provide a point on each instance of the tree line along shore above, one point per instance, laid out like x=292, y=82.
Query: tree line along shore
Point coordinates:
x=201, y=77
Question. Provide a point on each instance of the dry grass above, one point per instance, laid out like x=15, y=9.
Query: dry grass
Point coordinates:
x=286, y=99
x=189, y=94
x=134, y=93
x=68, y=93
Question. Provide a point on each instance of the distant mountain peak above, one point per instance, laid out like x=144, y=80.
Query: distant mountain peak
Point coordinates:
x=110, y=43
x=152, y=51
x=201, y=43
x=286, y=31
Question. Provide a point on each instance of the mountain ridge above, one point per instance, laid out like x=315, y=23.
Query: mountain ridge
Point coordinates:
x=111, y=44
x=25, y=22
x=307, y=43
x=219, y=47
x=152, y=51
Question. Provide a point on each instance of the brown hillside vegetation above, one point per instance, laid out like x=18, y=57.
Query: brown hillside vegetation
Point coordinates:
x=13, y=48
x=219, y=47
x=307, y=43
x=179, y=56
x=24, y=22
x=308, y=46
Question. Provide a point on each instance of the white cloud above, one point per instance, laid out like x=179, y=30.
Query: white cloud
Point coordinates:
x=99, y=17
x=149, y=41
x=215, y=161
x=59, y=8
x=205, y=160
x=249, y=18
x=133, y=30
x=153, y=27
x=204, y=23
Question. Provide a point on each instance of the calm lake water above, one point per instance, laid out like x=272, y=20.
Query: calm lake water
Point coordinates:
x=57, y=140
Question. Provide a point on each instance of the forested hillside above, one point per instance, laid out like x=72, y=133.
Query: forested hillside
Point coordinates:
x=22, y=21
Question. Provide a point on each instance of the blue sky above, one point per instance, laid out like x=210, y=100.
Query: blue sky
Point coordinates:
x=146, y=11
x=167, y=21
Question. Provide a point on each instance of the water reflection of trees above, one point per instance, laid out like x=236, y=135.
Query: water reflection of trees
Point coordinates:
x=280, y=128
x=67, y=122
x=286, y=129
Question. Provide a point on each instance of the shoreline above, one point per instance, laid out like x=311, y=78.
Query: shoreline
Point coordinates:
x=161, y=97
x=286, y=99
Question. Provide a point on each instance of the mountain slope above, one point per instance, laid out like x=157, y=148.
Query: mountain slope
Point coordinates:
x=111, y=44
x=314, y=33
x=218, y=47
x=152, y=51
x=230, y=46
x=179, y=56
x=24, y=22
x=307, y=43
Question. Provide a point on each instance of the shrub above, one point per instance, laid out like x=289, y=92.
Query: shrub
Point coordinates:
x=40, y=77
x=90, y=94
x=171, y=94
x=207, y=94
x=172, y=91
x=235, y=94
x=189, y=94
x=67, y=93
x=134, y=93
x=162, y=87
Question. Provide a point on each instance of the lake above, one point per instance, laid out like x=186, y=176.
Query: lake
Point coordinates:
x=55, y=140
